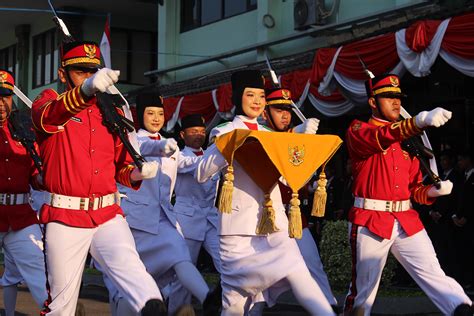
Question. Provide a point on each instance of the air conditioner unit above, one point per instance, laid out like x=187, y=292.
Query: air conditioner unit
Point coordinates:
x=307, y=13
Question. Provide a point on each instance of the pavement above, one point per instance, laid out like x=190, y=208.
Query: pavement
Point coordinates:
x=94, y=298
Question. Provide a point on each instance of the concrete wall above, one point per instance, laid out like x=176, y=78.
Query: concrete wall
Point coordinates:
x=245, y=30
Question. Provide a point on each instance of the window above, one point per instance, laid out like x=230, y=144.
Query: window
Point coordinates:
x=133, y=53
x=8, y=58
x=196, y=13
x=45, y=58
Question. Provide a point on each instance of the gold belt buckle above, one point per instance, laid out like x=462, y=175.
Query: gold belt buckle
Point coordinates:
x=91, y=202
x=82, y=204
x=398, y=206
x=389, y=206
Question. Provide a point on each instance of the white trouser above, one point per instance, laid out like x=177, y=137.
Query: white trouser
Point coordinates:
x=415, y=253
x=311, y=257
x=25, y=248
x=112, y=246
x=305, y=289
x=178, y=295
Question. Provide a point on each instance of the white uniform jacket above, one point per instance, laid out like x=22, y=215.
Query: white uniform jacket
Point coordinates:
x=247, y=197
x=144, y=207
x=195, y=202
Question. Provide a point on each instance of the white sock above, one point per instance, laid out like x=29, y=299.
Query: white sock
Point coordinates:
x=191, y=279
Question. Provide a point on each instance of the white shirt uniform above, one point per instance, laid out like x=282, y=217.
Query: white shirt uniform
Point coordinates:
x=149, y=214
x=251, y=263
x=195, y=202
x=197, y=216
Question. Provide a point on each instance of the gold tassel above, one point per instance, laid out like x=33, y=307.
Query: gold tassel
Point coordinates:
x=295, y=225
x=266, y=224
x=320, y=196
x=225, y=198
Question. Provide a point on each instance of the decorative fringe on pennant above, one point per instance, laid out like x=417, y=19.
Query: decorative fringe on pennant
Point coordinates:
x=266, y=224
x=225, y=198
x=295, y=225
x=320, y=196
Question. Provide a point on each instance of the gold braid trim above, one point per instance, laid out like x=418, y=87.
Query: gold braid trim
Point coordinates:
x=225, y=198
x=295, y=224
x=266, y=224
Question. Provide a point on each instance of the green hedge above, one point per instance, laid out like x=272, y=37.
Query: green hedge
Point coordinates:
x=336, y=256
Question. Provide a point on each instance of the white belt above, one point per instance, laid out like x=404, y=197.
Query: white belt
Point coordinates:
x=381, y=205
x=79, y=203
x=14, y=199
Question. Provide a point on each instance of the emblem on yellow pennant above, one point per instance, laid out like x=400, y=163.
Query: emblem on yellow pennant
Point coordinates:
x=285, y=94
x=90, y=50
x=296, y=154
x=394, y=81
x=3, y=76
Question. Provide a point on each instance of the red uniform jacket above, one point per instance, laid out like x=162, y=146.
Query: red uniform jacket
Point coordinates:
x=384, y=171
x=17, y=172
x=81, y=157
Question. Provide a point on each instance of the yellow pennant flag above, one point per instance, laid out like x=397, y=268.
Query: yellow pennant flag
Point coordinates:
x=265, y=156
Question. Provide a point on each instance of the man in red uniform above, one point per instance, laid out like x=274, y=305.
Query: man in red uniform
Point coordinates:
x=20, y=234
x=82, y=162
x=386, y=178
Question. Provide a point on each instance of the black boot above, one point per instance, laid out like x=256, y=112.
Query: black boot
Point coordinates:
x=154, y=307
x=464, y=310
x=336, y=309
x=213, y=302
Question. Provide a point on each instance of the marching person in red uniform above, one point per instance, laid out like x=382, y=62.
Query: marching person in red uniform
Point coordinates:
x=20, y=233
x=386, y=179
x=82, y=163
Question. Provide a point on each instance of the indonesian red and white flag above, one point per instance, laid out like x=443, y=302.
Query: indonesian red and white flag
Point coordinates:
x=105, y=45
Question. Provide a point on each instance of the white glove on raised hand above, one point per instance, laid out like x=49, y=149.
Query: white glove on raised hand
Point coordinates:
x=310, y=126
x=445, y=188
x=149, y=170
x=100, y=81
x=435, y=118
x=167, y=147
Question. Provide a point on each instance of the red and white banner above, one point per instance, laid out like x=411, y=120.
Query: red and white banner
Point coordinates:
x=105, y=45
x=335, y=82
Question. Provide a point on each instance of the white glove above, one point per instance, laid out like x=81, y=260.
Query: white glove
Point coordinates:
x=436, y=118
x=100, y=81
x=149, y=170
x=310, y=126
x=445, y=188
x=167, y=147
